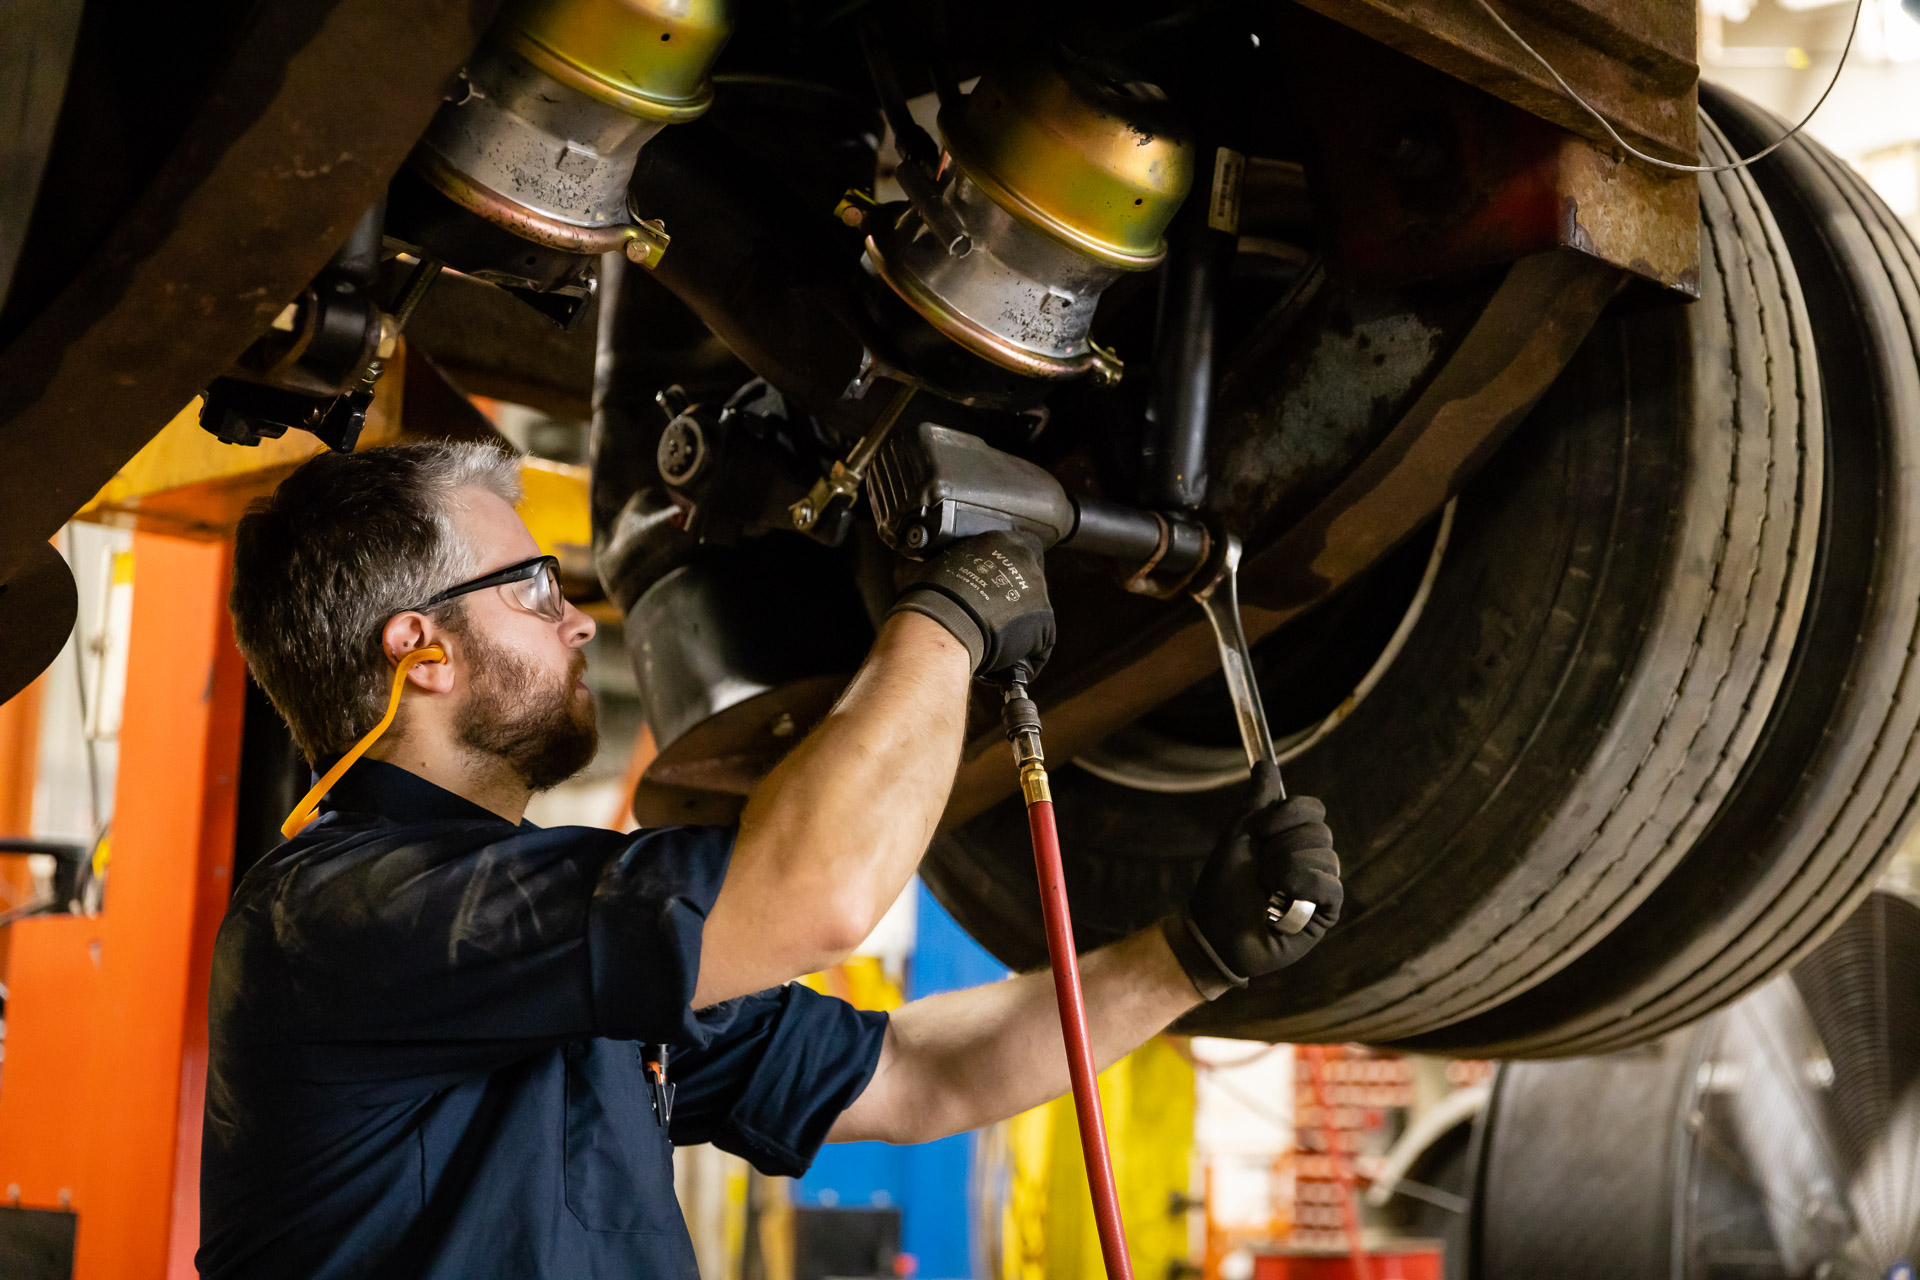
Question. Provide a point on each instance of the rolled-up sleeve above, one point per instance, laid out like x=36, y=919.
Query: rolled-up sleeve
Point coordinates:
x=774, y=1072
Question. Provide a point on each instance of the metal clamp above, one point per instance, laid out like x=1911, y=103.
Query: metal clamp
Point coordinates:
x=645, y=242
x=841, y=484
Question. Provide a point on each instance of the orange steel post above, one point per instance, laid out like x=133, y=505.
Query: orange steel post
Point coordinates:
x=19, y=756
x=124, y=1119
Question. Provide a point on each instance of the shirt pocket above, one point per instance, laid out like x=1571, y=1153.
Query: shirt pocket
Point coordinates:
x=619, y=1164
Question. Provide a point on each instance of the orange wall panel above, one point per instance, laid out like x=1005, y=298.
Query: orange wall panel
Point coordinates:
x=123, y=1072
x=50, y=1030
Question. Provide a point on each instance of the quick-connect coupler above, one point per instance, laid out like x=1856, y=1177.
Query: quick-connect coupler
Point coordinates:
x=1022, y=719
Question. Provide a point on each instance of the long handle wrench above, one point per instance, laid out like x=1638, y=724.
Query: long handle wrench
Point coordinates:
x=1220, y=600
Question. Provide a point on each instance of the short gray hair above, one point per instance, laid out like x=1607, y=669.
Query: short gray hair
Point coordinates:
x=344, y=543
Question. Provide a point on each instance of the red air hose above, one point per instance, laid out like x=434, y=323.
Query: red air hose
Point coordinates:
x=1023, y=729
x=1073, y=1026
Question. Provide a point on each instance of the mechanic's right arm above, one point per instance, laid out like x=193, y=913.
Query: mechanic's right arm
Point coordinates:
x=830, y=837
x=963, y=1059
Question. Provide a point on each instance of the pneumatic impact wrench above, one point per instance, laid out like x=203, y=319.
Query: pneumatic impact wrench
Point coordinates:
x=930, y=486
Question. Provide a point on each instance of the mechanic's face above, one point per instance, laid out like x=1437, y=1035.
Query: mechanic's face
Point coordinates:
x=527, y=701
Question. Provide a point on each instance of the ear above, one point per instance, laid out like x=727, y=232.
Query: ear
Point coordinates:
x=406, y=632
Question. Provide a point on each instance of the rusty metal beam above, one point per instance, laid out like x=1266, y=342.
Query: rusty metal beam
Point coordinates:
x=1422, y=176
x=318, y=105
x=1634, y=60
x=493, y=344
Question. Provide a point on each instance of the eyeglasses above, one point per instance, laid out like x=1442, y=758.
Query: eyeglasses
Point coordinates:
x=532, y=585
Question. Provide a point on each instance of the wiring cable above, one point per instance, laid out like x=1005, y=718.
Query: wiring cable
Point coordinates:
x=1852, y=28
x=70, y=548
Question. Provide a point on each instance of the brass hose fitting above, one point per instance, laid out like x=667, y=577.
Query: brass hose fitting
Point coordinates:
x=1022, y=720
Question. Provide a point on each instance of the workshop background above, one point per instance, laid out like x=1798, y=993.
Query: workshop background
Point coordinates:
x=119, y=834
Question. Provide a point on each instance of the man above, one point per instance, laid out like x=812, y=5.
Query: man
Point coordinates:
x=438, y=1033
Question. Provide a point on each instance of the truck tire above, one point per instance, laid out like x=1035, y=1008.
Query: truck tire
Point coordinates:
x=1606, y=635
x=1830, y=793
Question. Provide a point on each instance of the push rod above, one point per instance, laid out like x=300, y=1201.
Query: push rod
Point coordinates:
x=1183, y=362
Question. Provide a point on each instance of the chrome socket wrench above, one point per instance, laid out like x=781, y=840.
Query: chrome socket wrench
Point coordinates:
x=1219, y=599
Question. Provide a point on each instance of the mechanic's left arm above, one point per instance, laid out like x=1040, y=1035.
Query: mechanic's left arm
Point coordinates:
x=963, y=1059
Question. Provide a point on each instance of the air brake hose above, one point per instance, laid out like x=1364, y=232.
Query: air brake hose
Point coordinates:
x=1023, y=731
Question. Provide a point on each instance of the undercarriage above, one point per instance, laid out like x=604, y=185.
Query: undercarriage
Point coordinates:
x=1579, y=496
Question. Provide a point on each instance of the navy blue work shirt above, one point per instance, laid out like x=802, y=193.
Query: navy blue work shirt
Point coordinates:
x=426, y=1037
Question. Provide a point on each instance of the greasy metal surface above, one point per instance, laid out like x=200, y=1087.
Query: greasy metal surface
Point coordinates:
x=766, y=277
x=1018, y=298
x=1338, y=367
x=1201, y=250
x=734, y=748
x=1527, y=332
x=1096, y=164
x=38, y=603
x=649, y=58
x=733, y=625
x=1522, y=340
x=300, y=133
x=492, y=344
x=1423, y=176
x=557, y=153
x=505, y=211
x=1634, y=60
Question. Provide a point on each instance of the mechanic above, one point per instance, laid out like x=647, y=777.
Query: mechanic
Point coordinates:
x=439, y=1033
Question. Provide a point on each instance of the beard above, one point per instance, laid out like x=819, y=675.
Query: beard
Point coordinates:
x=542, y=728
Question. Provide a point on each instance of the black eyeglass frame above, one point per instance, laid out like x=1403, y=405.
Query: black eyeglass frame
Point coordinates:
x=513, y=573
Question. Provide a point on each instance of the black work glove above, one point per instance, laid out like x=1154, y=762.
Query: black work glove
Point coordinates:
x=990, y=591
x=1277, y=853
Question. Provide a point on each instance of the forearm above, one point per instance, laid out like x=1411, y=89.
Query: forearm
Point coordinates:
x=830, y=837
x=964, y=1059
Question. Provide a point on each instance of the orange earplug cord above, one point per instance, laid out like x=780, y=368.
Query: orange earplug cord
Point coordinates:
x=303, y=812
